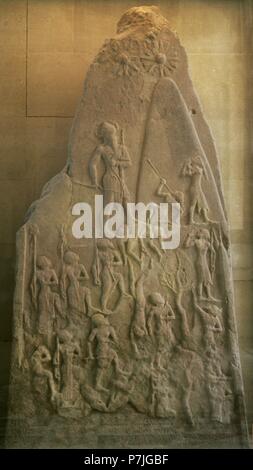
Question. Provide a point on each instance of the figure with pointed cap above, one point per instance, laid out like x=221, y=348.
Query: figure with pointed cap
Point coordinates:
x=114, y=157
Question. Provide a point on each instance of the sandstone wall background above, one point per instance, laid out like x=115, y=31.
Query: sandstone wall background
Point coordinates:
x=45, y=49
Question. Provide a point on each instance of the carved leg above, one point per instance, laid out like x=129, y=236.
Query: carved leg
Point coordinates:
x=117, y=366
x=106, y=291
x=191, y=213
x=216, y=410
x=95, y=275
x=51, y=384
x=152, y=408
x=122, y=249
x=186, y=397
x=184, y=321
x=99, y=378
x=87, y=301
x=134, y=345
x=200, y=290
x=90, y=309
x=131, y=278
x=134, y=256
x=209, y=295
x=157, y=361
x=154, y=248
x=121, y=285
x=108, y=197
x=188, y=412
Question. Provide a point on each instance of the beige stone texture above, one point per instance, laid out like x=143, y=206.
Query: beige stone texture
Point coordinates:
x=46, y=47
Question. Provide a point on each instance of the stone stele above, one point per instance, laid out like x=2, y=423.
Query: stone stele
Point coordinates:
x=119, y=343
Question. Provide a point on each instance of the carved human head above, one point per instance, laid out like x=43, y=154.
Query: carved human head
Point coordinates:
x=99, y=319
x=64, y=336
x=43, y=262
x=107, y=132
x=204, y=233
x=104, y=244
x=156, y=299
x=43, y=353
x=71, y=258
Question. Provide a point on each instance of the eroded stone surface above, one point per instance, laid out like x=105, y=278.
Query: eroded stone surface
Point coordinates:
x=114, y=337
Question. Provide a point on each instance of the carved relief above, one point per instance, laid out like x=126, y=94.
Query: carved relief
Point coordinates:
x=77, y=295
x=103, y=352
x=66, y=359
x=122, y=53
x=211, y=320
x=160, y=395
x=113, y=154
x=159, y=57
x=164, y=191
x=105, y=275
x=219, y=393
x=200, y=239
x=122, y=334
x=47, y=299
x=138, y=328
x=41, y=363
x=154, y=54
x=195, y=170
x=159, y=326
